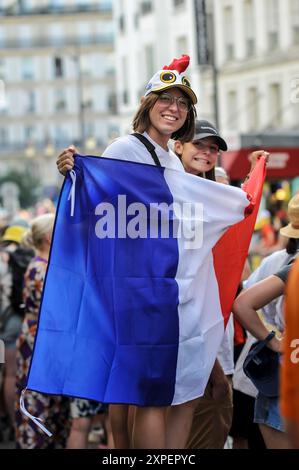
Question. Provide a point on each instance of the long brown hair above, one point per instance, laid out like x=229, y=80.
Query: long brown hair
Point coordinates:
x=141, y=120
x=209, y=175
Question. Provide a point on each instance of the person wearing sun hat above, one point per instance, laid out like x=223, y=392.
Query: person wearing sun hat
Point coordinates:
x=292, y=229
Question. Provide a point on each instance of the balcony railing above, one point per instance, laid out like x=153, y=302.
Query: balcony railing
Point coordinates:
x=19, y=9
x=22, y=43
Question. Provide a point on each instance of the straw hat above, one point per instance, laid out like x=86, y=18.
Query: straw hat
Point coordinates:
x=292, y=229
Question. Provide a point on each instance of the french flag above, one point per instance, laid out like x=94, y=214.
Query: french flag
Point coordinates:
x=144, y=266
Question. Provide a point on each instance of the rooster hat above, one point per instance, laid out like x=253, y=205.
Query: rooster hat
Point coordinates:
x=172, y=76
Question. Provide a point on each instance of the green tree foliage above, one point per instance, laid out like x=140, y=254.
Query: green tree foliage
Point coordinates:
x=29, y=186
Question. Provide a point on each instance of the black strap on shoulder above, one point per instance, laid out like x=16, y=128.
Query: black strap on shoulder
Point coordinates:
x=150, y=147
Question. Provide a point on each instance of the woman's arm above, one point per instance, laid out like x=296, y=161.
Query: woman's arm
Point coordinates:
x=249, y=301
x=65, y=160
x=253, y=158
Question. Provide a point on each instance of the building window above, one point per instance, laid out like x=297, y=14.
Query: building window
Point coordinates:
x=60, y=100
x=56, y=34
x=58, y=67
x=29, y=133
x=249, y=28
x=60, y=135
x=149, y=61
x=125, y=92
x=229, y=33
x=253, y=108
x=2, y=37
x=112, y=103
x=178, y=3
x=232, y=107
x=27, y=71
x=273, y=24
x=2, y=69
x=31, y=108
x=146, y=6
x=122, y=23
x=295, y=20
x=3, y=99
x=3, y=136
x=136, y=20
x=275, y=105
x=86, y=64
x=182, y=45
x=87, y=101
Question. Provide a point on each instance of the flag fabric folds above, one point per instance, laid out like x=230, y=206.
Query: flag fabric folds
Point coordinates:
x=133, y=309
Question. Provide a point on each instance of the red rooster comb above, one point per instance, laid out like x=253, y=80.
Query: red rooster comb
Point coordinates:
x=179, y=65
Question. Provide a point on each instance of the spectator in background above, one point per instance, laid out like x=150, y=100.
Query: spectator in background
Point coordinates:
x=266, y=412
x=14, y=259
x=53, y=409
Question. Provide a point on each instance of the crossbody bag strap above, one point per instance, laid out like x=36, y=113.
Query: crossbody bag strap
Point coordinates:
x=150, y=147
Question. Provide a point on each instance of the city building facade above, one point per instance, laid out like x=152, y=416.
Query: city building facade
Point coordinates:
x=244, y=68
x=149, y=34
x=257, y=64
x=57, y=75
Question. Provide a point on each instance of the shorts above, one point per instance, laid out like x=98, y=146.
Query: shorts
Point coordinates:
x=11, y=331
x=266, y=411
x=81, y=408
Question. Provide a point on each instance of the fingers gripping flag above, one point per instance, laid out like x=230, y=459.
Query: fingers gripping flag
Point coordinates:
x=142, y=274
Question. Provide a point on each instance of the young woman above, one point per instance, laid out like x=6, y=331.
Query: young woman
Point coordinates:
x=166, y=111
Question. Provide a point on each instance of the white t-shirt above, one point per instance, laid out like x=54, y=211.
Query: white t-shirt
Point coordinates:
x=131, y=149
x=226, y=351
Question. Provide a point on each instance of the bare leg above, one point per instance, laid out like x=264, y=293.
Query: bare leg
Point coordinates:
x=78, y=438
x=110, y=440
x=179, y=422
x=149, y=428
x=275, y=439
x=131, y=422
x=119, y=424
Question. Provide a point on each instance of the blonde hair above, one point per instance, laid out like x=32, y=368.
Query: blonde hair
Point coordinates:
x=39, y=228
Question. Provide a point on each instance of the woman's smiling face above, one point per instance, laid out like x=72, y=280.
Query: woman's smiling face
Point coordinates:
x=198, y=156
x=167, y=117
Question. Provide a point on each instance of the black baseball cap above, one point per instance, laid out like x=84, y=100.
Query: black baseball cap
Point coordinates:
x=262, y=367
x=206, y=129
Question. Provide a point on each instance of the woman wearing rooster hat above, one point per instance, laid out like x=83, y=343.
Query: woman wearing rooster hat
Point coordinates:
x=166, y=111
